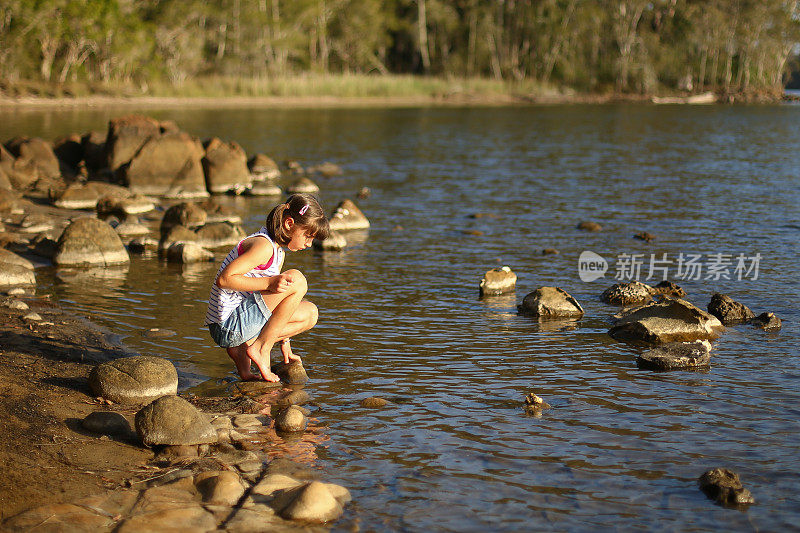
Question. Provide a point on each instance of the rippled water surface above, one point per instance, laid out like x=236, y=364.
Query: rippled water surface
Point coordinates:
x=400, y=315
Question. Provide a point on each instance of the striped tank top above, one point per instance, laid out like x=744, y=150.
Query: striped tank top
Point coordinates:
x=222, y=302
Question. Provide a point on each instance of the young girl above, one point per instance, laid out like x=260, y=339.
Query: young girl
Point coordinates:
x=252, y=304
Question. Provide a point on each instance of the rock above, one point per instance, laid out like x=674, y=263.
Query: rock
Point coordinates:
x=729, y=311
x=94, y=150
x=644, y=236
x=293, y=373
x=225, y=167
x=291, y=420
x=121, y=208
x=326, y=169
x=168, y=165
x=130, y=228
x=335, y=242
x=77, y=196
x=676, y=356
x=631, y=293
x=14, y=274
x=89, y=241
x=668, y=288
x=296, y=397
x=19, y=172
x=248, y=420
x=550, y=251
x=264, y=189
x=294, y=166
x=158, y=333
x=533, y=400
x=263, y=167
x=107, y=423
x=69, y=150
x=172, y=420
x=254, y=519
x=550, y=302
x=271, y=483
x=303, y=185
x=484, y=215
x=216, y=212
x=364, y=193
x=182, y=516
x=9, y=202
x=498, y=281
x=220, y=234
x=16, y=304
x=222, y=422
x=183, y=451
x=186, y=214
x=220, y=488
x=348, y=216
x=374, y=402
x=35, y=223
x=767, y=322
x=668, y=320
x=32, y=317
x=5, y=183
x=17, y=291
x=177, y=234
x=60, y=517
x=313, y=502
x=126, y=136
x=140, y=245
x=724, y=487
x=188, y=252
x=134, y=379
x=38, y=152
x=590, y=226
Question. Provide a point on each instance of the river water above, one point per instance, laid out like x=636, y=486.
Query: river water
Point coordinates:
x=400, y=315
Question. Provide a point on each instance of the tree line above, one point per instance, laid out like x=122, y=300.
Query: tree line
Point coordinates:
x=628, y=46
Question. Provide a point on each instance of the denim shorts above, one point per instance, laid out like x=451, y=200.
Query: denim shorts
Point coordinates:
x=245, y=323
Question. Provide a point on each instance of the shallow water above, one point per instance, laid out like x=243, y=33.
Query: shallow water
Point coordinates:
x=400, y=315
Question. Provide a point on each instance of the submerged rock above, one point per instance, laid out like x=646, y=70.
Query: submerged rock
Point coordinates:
x=590, y=226
x=89, y=241
x=644, y=236
x=498, y=281
x=134, y=379
x=550, y=302
x=671, y=319
x=172, y=420
x=326, y=169
x=728, y=310
x=264, y=189
x=676, y=356
x=631, y=293
x=374, y=402
x=348, y=216
x=767, y=322
x=724, y=487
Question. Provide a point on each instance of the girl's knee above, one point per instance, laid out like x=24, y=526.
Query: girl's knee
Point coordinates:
x=313, y=315
x=299, y=283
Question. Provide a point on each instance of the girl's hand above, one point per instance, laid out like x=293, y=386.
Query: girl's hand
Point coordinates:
x=280, y=283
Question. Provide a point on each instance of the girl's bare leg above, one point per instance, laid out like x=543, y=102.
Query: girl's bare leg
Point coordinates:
x=242, y=362
x=303, y=319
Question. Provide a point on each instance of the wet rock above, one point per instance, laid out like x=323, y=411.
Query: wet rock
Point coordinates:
x=296, y=397
x=19, y=172
x=348, y=216
x=767, y=322
x=107, y=423
x=248, y=420
x=220, y=234
x=498, y=281
x=335, y=242
x=168, y=165
x=187, y=214
x=225, y=166
x=131, y=228
x=15, y=304
x=550, y=251
x=724, y=487
x=631, y=293
x=728, y=310
x=35, y=223
x=230, y=455
x=264, y=189
x=374, y=402
x=534, y=401
x=69, y=150
x=177, y=234
x=140, y=245
x=172, y=420
x=263, y=167
x=121, y=208
x=134, y=379
x=77, y=196
x=314, y=502
x=89, y=241
x=364, y=193
x=17, y=291
x=293, y=373
x=32, y=317
x=550, y=302
x=126, y=137
x=669, y=320
x=38, y=152
x=273, y=482
x=668, y=288
x=14, y=274
x=590, y=226
x=220, y=488
x=187, y=517
x=644, y=236
x=302, y=185
x=187, y=253
x=94, y=150
x=326, y=170
x=254, y=519
x=676, y=356
x=59, y=517
x=158, y=333
x=291, y=420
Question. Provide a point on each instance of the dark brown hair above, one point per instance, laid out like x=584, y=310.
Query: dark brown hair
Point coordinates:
x=306, y=212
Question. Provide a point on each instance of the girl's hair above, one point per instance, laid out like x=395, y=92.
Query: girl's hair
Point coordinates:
x=306, y=212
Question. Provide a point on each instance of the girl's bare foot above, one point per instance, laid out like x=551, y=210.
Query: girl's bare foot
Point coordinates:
x=288, y=355
x=259, y=354
x=242, y=362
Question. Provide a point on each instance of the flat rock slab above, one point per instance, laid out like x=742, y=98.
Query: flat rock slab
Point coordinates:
x=676, y=356
x=669, y=320
x=135, y=379
x=172, y=420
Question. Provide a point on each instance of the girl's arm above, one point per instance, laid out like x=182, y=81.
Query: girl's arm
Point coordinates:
x=254, y=253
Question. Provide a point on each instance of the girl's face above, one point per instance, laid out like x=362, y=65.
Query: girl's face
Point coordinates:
x=300, y=238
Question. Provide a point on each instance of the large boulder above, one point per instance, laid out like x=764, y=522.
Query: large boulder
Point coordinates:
x=550, y=302
x=168, y=165
x=7, y=256
x=347, y=216
x=90, y=241
x=728, y=310
x=498, y=281
x=14, y=274
x=669, y=320
x=676, y=356
x=38, y=152
x=174, y=421
x=69, y=150
x=634, y=292
x=225, y=166
x=95, y=156
x=136, y=379
x=126, y=136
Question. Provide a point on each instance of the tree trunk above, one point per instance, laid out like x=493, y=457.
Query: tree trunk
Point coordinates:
x=422, y=28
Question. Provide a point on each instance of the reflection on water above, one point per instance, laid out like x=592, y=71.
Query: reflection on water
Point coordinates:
x=400, y=316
